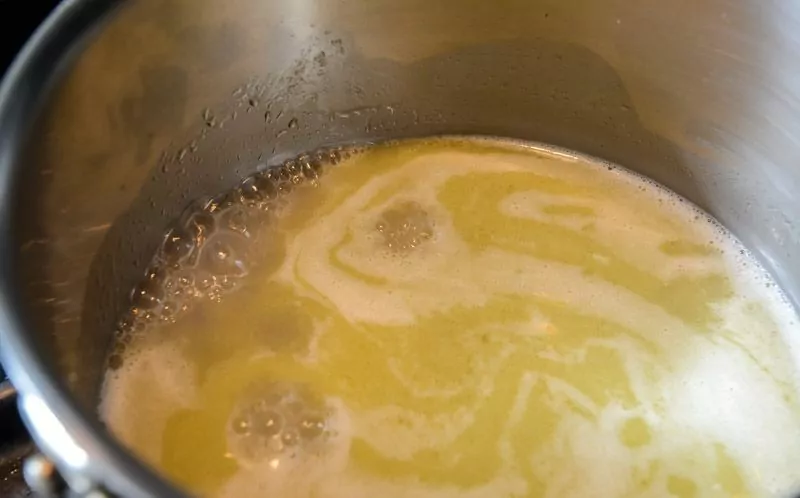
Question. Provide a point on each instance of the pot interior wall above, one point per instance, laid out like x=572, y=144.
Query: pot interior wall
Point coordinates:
x=175, y=100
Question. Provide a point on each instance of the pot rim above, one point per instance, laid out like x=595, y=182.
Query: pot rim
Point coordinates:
x=83, y=450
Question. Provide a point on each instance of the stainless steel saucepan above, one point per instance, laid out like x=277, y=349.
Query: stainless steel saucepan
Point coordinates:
x=118, y=113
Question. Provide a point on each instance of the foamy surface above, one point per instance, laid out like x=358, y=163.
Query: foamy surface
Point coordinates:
x=480, y=318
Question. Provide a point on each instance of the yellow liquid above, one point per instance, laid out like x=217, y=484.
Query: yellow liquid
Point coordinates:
x=464, y=317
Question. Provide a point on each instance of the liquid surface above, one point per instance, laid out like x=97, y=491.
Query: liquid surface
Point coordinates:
x=458, y=318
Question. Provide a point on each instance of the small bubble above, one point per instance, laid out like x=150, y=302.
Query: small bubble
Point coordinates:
x=310, y=168
x=290, y=438
x=334, y=156
x=237, y=220
x=200, y=226
x=168, y=311
x=312, y=426
x=181, y=282
x=143, y=316
x=241, y=426
x=294, y=171
x=224, y=254
x=115, y=361
x=282, y=179
x=257, y=190
x=147, y=295
x=226, y=283
x=270, y=423
x=177, y=245
x=214, y=294
x=292, y=123
x=205, y=282
x=122, y=345
x=156, y=274
x=125, y=324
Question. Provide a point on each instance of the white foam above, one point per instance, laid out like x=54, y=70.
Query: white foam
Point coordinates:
x=160, y=371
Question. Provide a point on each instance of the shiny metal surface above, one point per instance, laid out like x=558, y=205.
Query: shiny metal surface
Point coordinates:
x=175, y=99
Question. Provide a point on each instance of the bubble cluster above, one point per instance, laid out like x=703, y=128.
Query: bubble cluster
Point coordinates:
x=405, y=226
x=207, y=253
x=277, y=420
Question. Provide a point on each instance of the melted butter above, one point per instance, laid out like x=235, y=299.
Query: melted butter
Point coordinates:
x=477, y=318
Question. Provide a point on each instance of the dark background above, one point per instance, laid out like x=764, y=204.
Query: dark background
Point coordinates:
x=18, y=19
